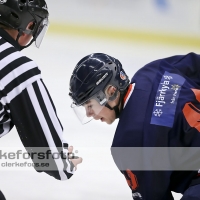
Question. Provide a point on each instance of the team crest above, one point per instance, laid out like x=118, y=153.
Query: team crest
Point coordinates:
x=122, y=75
x=3, y=1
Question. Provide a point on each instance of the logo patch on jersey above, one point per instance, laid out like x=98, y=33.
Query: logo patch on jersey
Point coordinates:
x=3, y=1
x=166, y=99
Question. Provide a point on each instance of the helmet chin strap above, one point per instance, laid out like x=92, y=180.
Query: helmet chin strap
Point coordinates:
x=17, y=39
x=116, y=108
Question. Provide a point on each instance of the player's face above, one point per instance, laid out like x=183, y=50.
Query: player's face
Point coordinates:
x=98, y=112
x=107, y=115
x=92, y=108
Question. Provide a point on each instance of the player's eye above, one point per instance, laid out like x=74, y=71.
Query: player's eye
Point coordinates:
x=89, y=106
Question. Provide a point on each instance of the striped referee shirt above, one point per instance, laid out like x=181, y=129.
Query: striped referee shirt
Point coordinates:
x=26, y=104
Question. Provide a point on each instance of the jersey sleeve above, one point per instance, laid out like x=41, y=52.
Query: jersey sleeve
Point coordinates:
x=34, y=115
x=144, y=183
x=26, y=104
x=147, y=185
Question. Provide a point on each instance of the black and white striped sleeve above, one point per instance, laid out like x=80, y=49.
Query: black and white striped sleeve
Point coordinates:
x=35, y=118
x=26, y=103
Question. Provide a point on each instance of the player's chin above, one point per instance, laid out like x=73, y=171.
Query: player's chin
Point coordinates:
x=109, y=121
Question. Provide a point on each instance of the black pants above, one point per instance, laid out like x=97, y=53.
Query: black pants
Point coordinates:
x=2, y=196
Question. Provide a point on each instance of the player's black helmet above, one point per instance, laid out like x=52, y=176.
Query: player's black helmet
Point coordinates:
x=17, y=14
x=92, y=75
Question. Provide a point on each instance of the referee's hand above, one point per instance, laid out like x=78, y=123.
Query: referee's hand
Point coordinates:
x=74, y=159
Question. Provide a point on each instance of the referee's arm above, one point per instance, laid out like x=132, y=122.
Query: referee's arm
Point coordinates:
x=35, y=118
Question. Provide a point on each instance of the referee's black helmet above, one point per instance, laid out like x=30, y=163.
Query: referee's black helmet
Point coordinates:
x=17, y=14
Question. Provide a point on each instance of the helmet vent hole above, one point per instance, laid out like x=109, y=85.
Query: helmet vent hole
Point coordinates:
x=21, y=4
x=14, y=15
x=110, y=63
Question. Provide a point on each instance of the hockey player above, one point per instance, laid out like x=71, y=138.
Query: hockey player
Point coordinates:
x=24, y=100
x=158, y=109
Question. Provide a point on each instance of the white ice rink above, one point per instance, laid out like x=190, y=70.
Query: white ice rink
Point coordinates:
x=97, y=178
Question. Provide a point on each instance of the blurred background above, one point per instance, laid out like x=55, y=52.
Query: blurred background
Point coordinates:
x=134, y=31
x=153, y=21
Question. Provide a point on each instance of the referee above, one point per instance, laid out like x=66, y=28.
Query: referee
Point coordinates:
x=24, y=100
x=1, y=196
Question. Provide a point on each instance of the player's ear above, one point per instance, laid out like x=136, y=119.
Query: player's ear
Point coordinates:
x=31, y=26
x=29, y=29
x=110, y=90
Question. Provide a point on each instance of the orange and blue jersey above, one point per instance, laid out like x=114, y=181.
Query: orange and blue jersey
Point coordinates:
x=161, y=109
